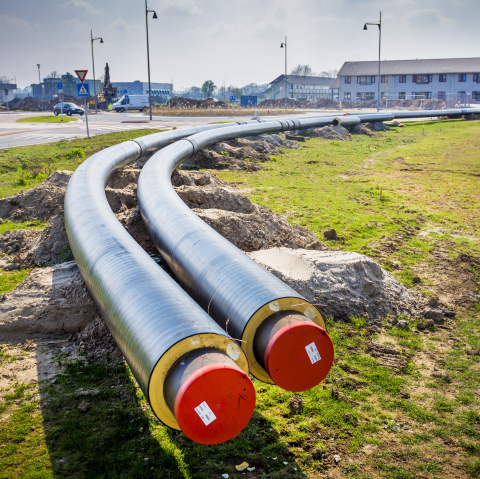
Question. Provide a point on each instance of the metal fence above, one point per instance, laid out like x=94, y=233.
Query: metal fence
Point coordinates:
x=413, y=102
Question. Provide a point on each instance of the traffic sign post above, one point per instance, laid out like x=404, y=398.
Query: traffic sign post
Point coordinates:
x=6, y=94
x=81, y=74
x=83, y=90
x=125, y=91
x=232, y=100
x=60, y=89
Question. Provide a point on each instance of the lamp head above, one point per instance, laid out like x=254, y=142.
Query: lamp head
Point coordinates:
x=281, y=45
x=365, y=27
x=155, y=15
x=101, y=40
x=38, y=65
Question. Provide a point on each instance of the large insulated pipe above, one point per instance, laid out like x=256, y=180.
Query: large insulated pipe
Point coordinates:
x=193, y=374
x=291, y=348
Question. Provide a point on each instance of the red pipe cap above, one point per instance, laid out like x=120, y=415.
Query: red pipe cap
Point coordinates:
x=215, y=403
x=299, y=356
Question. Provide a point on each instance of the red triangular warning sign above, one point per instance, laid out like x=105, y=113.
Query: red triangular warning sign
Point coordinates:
x=81, y=74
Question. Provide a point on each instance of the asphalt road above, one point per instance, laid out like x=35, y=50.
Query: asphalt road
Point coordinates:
x=21, y=134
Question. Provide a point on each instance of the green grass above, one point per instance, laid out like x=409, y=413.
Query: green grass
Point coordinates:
x=47, y=119
x=26, y=166
x=408, y=434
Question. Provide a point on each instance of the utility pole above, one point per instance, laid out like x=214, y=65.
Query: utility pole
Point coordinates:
x=40, y=86
x=93, y=65
x=148, y=57
x=379, y=25
x=281, y=46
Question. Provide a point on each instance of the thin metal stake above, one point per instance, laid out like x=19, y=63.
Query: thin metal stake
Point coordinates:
x=86, y=115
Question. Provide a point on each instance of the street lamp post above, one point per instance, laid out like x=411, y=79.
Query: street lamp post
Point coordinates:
x=379, y=25
x=93, y=65
x=147, y=11
x=40, y=86
x=284, y=45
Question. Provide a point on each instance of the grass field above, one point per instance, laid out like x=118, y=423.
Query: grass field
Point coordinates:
x=409, y=200
x=47, y=119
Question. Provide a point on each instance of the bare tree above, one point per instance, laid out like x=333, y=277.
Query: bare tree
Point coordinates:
x=53, y=74
x=302, y=70
x=4, y=79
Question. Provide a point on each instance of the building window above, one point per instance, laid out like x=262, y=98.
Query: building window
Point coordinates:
x=348, y=79
x=476, y=95
x=383, y=95
x=441, y=95
x=402, y=78
x=442, y=78
x=461, y=93
x=384, y=79
x=476, y=78
x=365, y=80
x=427, y=94
x=360, y=96
x=462, y=77
x=369, y=96
x=422, y=79
x=347, y=96
x=401, y=95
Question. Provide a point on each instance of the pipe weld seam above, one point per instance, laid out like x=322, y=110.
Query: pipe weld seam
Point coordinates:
x=196, y=148
x=143, y=147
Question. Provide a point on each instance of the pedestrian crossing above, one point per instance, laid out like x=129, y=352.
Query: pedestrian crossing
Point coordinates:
x=32, y=138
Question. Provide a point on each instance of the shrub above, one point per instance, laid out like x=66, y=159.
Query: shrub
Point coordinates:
x=75, y=153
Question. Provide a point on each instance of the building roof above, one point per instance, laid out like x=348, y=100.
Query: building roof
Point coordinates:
x=303, y=80
x=336, y=83
x=412, y=67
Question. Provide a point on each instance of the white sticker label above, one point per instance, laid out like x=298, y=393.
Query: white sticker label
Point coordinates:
x=313, y=353
x=205, y=413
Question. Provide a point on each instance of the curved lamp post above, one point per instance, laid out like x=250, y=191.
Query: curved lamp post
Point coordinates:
x=147, y=11
x=40, y=85
x=379, y=25
x=282, y=45
x=93, y=65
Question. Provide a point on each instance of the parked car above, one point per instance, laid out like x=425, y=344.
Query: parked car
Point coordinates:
x=69, y=109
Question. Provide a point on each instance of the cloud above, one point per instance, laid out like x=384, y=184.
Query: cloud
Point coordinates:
x=179, y=8
x=125, y=27
x=430, y=17
x=81, y=5
x=9, y=22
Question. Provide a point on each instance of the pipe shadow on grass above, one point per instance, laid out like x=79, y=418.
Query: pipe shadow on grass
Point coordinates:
x=98, y=425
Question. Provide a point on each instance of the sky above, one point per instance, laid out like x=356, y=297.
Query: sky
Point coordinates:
x=228, y=41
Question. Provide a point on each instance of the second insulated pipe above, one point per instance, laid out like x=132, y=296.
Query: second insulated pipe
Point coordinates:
x=295, y=352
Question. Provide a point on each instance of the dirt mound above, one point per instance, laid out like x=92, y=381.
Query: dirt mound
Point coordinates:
x=330, y=132
x=343, y=284
x=196, y=178
x=51, y=301
x=35, y=104
x=210, y=159
x=179, y=102
x=362, y=129
x=35, y=247
x=39, y=203
x=259, y=229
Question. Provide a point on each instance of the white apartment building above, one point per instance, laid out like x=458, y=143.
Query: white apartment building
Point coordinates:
x=301, y=88
x=406, y=79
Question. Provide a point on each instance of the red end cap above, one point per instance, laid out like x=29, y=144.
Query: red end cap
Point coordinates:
x=299, y=356
x=215, y=403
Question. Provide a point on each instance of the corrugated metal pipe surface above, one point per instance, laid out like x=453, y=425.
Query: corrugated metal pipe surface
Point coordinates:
x=238, y=293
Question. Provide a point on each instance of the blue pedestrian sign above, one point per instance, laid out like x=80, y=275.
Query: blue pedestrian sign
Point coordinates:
x=232, y=99
x=125, y=90
x=59, y=86
x=83, y=89
x=127, y=97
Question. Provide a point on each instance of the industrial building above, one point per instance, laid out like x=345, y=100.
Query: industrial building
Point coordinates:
x=301, y=88
x=407, y=79
x=141, y=88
